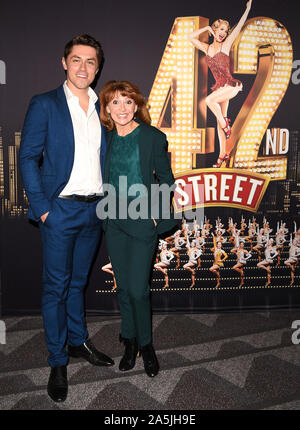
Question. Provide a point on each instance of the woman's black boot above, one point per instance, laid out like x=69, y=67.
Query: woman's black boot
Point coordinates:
x=131, y=349
x=150, y=360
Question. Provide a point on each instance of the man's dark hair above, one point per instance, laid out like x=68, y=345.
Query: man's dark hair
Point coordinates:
x=85, y=39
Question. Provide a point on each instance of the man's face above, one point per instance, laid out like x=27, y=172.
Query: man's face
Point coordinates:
x=81, y=66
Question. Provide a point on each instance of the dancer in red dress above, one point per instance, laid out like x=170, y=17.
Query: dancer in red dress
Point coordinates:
x=225, y=87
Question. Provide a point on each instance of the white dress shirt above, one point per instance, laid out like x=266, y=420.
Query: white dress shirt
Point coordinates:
x=86, y=177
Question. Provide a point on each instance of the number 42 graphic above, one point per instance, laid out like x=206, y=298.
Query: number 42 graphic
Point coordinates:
x=263, y=48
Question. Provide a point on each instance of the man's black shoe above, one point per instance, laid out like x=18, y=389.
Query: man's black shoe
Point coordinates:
x=150, y=361
x=58, y=384
x=88, y=351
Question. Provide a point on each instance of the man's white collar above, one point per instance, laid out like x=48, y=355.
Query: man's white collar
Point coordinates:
x=69, y=95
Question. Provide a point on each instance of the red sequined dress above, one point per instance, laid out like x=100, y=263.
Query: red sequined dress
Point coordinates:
x=219, y=65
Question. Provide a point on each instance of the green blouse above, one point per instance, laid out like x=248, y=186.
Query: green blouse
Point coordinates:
x=125, y=161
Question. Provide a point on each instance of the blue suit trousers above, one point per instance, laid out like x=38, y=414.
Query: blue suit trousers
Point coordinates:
x=70, y=236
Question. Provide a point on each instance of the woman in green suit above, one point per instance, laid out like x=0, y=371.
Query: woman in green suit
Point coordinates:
x=136, y=159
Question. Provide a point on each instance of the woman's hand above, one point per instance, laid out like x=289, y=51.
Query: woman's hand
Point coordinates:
x=194, y=38
x=210, y=30
x=235, y=32
x=155, y=223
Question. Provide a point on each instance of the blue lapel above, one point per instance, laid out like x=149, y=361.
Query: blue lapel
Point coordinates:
x=103, y=143
x=64, y=109
x=67, y=126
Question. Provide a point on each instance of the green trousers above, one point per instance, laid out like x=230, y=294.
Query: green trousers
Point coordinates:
x=131, y=245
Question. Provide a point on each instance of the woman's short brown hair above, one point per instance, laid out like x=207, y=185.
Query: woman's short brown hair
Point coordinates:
x=125, y=89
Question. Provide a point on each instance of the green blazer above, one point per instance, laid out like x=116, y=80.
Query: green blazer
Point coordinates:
x=154, y=164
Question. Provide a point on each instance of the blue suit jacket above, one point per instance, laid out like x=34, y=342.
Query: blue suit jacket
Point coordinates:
x=48, y=134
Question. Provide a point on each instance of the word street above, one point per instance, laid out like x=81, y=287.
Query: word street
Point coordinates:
x=226, y=187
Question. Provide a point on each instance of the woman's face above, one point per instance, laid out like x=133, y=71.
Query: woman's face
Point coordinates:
x=221, y=33
x=121, y=109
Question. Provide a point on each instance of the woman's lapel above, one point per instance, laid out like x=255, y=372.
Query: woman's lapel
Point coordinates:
x=144, y=148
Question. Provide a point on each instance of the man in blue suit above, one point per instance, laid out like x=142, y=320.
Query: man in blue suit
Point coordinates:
x=62, y=158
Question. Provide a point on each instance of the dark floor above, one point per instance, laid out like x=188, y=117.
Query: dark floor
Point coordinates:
x=208, y=361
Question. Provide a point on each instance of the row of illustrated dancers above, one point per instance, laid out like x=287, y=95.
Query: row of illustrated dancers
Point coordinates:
x=193, y=240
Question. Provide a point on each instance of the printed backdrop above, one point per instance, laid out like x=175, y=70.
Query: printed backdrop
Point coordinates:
x=257, y=189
